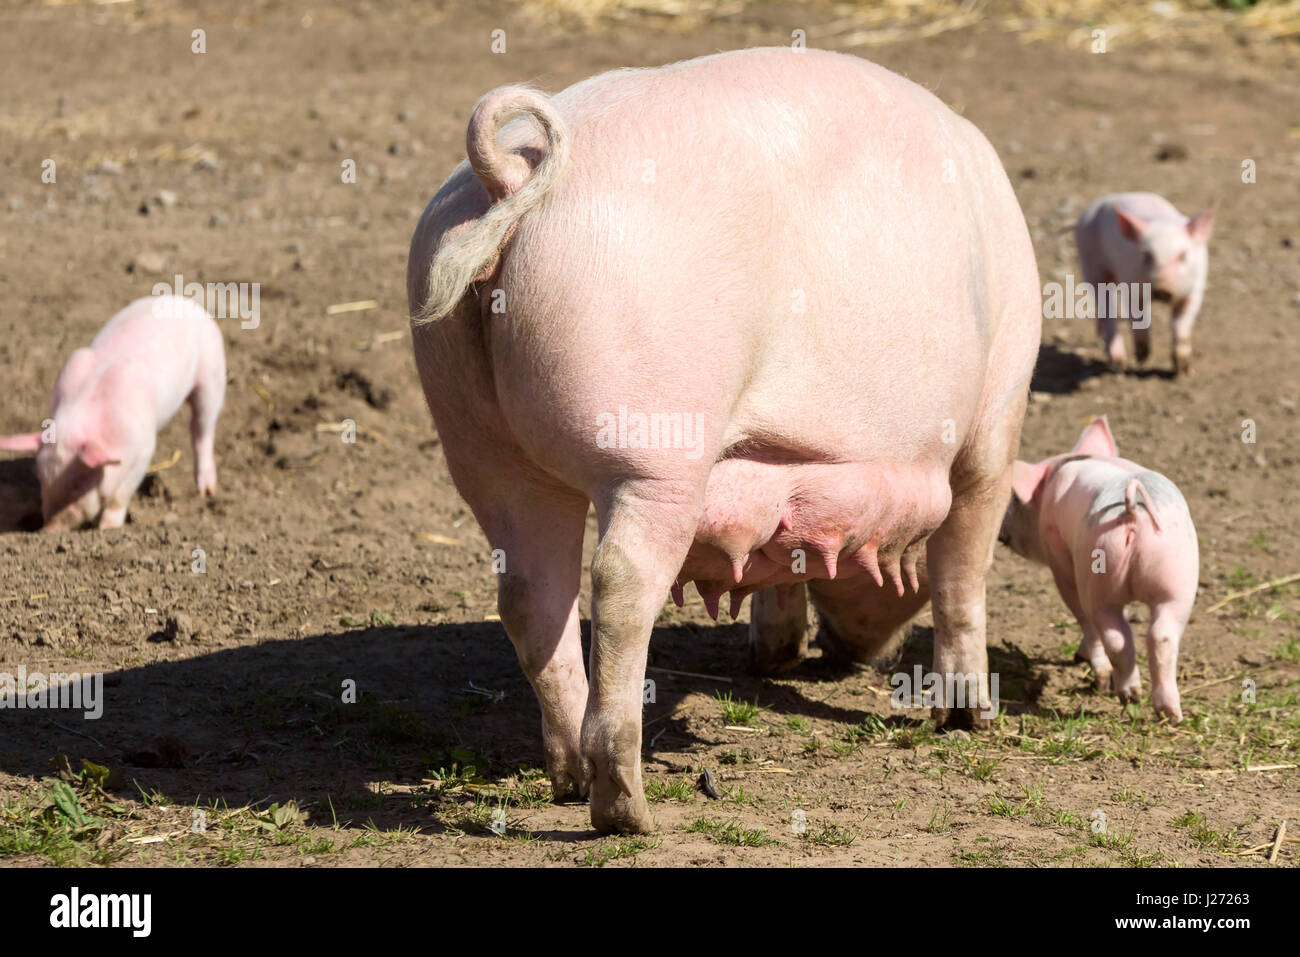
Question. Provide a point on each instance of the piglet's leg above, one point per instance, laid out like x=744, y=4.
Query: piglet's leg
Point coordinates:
x=1117, y=638
x=1185, y=311
x=1106, y=308
x=118, y=484
x=205, y=406
x=1093, y=652
x=1167, y=623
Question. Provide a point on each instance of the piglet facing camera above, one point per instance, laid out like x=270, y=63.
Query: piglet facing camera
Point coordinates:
x=109, y=402
x=1134, y=243
x=1112, y=533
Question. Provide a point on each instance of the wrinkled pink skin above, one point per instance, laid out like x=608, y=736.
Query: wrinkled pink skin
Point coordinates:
x=1071, y=513
x=109, y=402
x=874, y=429
x=1142, y=238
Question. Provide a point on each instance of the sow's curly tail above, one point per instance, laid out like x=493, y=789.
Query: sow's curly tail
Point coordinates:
x=515, y=190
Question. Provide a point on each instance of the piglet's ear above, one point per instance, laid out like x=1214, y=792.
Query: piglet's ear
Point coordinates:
x=1097, y=440
x=93, y=456
x=1026, y=477
x=1131, y=226
x=1200, y=226
x=27, y=442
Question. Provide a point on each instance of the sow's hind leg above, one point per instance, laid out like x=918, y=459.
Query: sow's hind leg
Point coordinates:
x=646, y=530
x=535, y=531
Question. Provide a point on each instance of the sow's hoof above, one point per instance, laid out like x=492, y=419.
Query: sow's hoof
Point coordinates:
x=622, y=815
x=959, y=719
x=566, y=789
x=765, y=661
x=839, y=654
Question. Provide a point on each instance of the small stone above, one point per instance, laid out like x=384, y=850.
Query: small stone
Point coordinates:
x=148, y=262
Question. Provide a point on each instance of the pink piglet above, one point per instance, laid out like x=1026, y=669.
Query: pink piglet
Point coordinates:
x=109, y=402
x=1112, y=532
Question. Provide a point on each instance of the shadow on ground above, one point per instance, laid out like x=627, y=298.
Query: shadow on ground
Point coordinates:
x=20, y=496
x=267, y=722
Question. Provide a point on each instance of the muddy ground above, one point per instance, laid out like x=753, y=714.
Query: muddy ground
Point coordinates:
x=326, y=561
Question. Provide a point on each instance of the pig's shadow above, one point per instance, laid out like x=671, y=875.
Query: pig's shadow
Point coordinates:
x=267, y=722
x=20, y=496
x=1058, y=372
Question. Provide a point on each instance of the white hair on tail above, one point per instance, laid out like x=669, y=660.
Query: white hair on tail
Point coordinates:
x=463, y=257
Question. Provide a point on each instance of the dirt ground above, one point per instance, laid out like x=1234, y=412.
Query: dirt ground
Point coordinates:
x=224, y=739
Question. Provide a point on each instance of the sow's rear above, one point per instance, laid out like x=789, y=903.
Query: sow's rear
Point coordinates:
x=774, y=313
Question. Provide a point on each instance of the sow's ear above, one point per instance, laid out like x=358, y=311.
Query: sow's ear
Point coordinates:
x=1097, y=440
x=27, y=442
x=1025, y=479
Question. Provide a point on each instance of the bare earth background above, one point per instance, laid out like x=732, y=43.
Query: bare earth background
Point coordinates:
x=328, y=561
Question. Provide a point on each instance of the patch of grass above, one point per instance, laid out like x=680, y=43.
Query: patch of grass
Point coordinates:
x=1239, y=579
x=981, y=769
x=915, y=736
x=69, y=824
x=58, y=829
x=659, y=789
x=1129, y=795
x=1122, y=843
x=797, y=722
x=1289, y=650
x=999, y=807
x=988, y=857
x=1069, y=819
x=1199, y=830
x=938, y=819
x=871, y=728
x=737, y=712
x=628, y=847
x=455, y=779
x=736, y=756
x=832, y=835
x=731, y=833
x=737, y=795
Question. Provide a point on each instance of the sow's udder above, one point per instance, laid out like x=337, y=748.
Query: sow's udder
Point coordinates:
x=773, y=524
